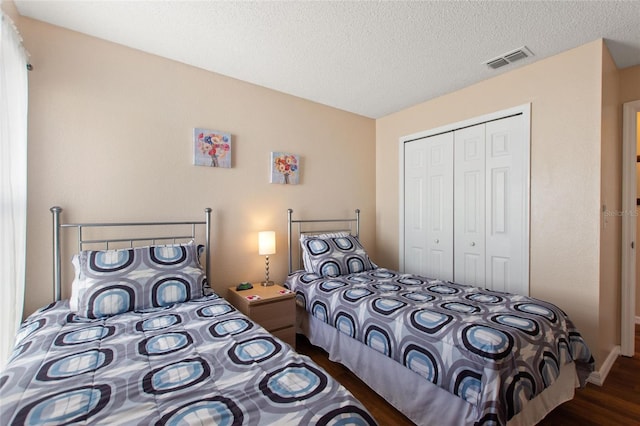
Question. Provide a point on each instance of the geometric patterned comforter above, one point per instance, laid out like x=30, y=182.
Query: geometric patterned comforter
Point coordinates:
x=494, y=350
x=198, y=362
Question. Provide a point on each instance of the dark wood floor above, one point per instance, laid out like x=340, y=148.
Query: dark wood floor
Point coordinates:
x=617, y=402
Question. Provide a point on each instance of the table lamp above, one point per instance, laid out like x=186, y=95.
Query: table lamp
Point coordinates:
x=266, y=246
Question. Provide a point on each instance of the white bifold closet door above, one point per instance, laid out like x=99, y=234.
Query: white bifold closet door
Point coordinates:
x=464, y=206
x=489, y=199
x=429, y=210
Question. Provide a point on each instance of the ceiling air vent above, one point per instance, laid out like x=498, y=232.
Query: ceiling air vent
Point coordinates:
x=497, y=63
x=507, y=58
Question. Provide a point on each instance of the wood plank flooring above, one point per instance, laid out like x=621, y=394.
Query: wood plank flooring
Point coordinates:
x=617, y=402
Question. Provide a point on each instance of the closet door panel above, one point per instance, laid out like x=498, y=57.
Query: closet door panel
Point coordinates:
x=469, y=205
x=414, y=221
x=505, y=226
x=429, y=206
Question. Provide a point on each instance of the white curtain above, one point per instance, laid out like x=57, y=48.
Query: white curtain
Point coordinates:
x=13, y=183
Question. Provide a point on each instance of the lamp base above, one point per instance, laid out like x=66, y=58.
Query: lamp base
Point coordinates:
x=267, y=283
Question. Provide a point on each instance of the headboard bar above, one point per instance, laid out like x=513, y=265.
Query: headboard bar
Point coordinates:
x=300, y=222
x=323, y=231
x=154, y=240
x=57, y=226
x=57, y=280
x=114, y=224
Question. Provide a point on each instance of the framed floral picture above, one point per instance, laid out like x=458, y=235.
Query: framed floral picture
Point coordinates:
x=285, y=168
x=211, y=148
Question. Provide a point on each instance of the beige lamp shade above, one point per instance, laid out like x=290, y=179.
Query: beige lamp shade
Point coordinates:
x=266, y=243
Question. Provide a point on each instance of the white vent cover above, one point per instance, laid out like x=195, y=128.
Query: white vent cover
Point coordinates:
x=509, y=57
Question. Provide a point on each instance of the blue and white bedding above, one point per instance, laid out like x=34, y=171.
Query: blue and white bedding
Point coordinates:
x=494, y=350
x=196, y=362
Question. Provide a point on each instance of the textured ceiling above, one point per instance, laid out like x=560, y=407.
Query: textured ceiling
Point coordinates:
x=370, y=58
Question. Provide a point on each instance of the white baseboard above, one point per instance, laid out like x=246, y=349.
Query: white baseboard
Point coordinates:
x=598, y=377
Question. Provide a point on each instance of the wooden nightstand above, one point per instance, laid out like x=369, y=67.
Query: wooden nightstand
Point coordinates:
x=275, y=310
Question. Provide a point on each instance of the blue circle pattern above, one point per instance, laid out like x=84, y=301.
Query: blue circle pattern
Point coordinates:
x=254, y=350
x=343, y=416
x=317, y=247
x=549, y=368
x=293, y=382
x=216, y=310
x=429, y=321
x=387, y=306
x=537, y=309
x=101, y=261
x=111, y=300
x=463, y=308
x=346, y=324
x=168, y=291
x=158, y=323
x=418, y=297
x=168, y=255
x=74, y=364
x=468, y=385
x=176, y=376
x=332, y=285
x=230, y=327
x=378, y=339
x=217, y=410
x=355, y=294
x=487, y=342
x=330, y=268
x=165, y=343
x=521, y=390
x=85, y=335
x=83, y=402
x=319, y=310
x=421, y=361
x=526, y=325
x=344, y=243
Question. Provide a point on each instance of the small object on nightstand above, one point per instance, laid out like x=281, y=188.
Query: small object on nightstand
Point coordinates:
x=244, y=286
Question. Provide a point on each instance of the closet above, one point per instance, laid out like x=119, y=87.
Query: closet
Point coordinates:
x=465, y=204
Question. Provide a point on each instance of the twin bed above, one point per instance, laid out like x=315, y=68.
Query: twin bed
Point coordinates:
x=143, y=340
x=440, y=352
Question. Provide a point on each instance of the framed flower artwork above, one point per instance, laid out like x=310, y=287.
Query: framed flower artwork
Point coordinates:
x=211, y=148
x=285, y=168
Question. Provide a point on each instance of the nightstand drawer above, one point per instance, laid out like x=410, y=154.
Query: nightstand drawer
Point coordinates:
x=274, y=315
x=287, y=335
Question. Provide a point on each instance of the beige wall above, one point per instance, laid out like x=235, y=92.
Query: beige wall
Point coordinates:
x=630, y=84
x=565, y=92
x=9, y=7
x=110, y=134
x=611, y=200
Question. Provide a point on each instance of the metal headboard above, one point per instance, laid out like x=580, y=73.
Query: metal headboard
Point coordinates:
x=57, y=226
x=301, y=231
